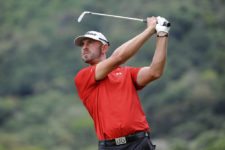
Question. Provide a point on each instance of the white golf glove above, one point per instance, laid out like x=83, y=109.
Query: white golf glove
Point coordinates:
x=161, y=29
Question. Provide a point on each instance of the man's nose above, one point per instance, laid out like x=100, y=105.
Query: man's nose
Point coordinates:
x=84, y=47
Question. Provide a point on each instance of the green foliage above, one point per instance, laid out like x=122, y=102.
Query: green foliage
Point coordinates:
x=217, y=145
x=49, y=120
x=211, y=140
x=180, y=144
x=38, y=107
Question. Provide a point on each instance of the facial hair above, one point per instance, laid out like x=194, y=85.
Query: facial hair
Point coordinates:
x=91, y=56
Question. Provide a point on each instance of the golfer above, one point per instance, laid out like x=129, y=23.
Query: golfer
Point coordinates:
x=109, y=90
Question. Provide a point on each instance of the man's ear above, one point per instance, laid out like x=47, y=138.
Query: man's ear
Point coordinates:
x=104, y=48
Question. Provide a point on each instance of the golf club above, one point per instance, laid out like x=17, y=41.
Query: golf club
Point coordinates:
x=115, y=16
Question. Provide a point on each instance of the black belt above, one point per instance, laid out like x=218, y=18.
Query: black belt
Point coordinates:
x=125, y=139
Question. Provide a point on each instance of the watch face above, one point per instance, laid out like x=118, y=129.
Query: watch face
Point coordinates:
x=162, y=33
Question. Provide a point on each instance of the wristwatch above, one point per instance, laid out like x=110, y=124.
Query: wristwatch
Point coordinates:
x=162, y=34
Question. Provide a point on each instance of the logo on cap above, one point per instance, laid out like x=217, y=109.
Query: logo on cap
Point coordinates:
x=92, y=35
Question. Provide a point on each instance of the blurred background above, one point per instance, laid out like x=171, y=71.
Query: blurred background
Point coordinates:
x=39, y=105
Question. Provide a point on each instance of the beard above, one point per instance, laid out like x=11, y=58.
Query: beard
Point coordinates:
x=91, y=57
x=86, y=58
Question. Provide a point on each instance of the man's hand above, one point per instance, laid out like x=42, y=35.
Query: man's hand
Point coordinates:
x=151, y=22
x=161, y=29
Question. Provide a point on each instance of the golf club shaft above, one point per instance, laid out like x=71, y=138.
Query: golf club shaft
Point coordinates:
x=115, y=16
x=167, y=24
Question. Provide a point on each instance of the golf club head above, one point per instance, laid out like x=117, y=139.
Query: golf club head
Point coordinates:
x=82, y=15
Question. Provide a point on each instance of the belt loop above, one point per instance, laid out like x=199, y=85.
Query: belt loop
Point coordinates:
x=146, y=134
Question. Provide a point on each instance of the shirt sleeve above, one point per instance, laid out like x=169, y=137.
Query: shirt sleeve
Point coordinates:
x=84, y=81
x=134, y=73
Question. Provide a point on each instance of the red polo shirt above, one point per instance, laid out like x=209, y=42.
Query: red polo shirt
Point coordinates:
x=113, y=102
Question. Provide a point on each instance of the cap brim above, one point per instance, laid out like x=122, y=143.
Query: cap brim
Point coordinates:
x=79, y=39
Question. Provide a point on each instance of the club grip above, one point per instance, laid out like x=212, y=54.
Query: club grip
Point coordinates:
x=167, y=24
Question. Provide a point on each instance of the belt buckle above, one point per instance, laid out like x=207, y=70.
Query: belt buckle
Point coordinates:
x=120, y=140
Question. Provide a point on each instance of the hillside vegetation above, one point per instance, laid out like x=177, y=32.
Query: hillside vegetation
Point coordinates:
x=39, y=105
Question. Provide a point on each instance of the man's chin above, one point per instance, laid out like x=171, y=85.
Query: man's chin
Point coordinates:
x=86, y=61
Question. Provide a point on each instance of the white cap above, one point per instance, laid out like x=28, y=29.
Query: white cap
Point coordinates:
x=92, y=35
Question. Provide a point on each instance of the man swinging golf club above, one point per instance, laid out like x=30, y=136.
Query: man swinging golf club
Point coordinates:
x=109, y=90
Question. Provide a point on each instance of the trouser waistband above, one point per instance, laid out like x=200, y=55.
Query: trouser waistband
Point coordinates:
x=125, y=139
